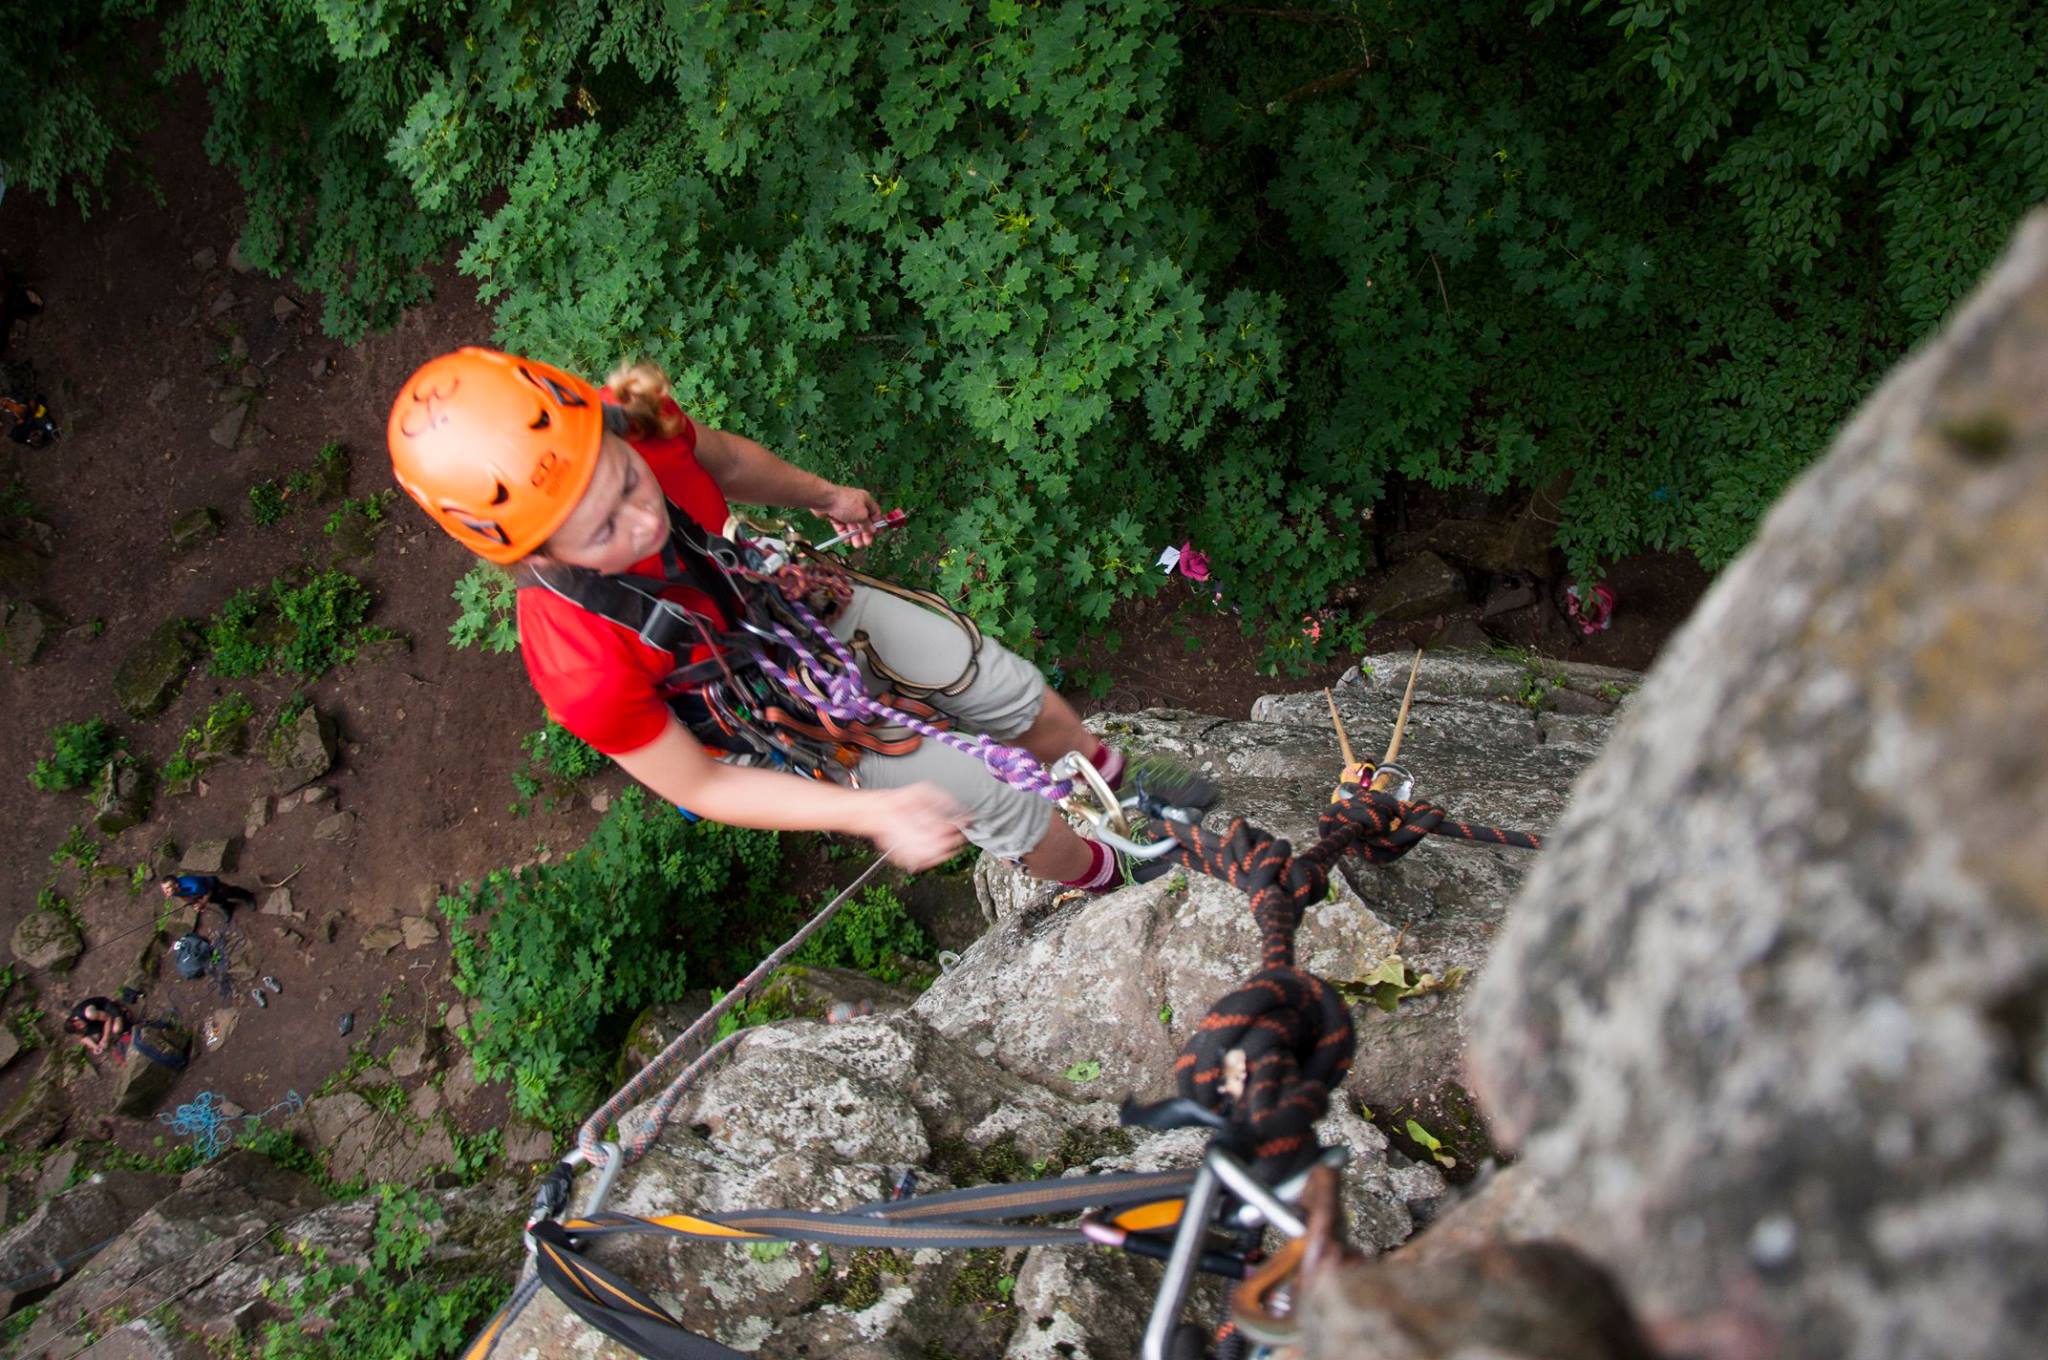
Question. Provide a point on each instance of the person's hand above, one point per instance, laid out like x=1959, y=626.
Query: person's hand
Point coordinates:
x=917, y=827
x=851, y=511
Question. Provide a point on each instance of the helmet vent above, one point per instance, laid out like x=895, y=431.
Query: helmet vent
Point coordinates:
x=502, y=495
x=563, y=395
x=541, y=421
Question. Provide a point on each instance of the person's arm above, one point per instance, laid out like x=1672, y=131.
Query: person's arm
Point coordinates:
x=917, y=826
x=745, y=471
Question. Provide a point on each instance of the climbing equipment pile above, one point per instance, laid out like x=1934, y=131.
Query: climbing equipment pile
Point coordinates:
x=1258, y=1072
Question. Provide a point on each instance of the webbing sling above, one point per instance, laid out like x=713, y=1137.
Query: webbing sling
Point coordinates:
x=956, y=1219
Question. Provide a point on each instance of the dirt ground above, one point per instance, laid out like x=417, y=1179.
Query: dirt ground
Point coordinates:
x=141, y=349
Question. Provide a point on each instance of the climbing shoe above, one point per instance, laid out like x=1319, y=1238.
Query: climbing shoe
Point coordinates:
x=271, y=983
x=262, y=1001
x=348, y=1022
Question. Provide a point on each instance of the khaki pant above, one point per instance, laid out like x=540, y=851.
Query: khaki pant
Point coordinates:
x=928, y=649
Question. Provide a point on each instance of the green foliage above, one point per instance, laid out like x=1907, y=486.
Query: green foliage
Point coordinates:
x=307, y=628
x=555, y=959
x=78, y=751
x=80, y=847
x=323, y=621
x=558, y=760
x=763, y=1007
x=23, y=1021
x=369, y=510
x=874, y=935
x=484, y=599
x=402, y=1305
x=219, y=732
x=233, y=647
x=1077, y=280
x=267, y=503
x=81, y=96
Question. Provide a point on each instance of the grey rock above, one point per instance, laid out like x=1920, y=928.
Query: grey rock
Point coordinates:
x=38, y=1115
x=284, y=308
x=279, y=902
x=258, y=815
x=1423, y=585
x=55, y=1175
x=215, y=856
x=227, y=431
x=335, y=826
x=57, y=1240
x=27, y=628
x=146, y=1339
x=318, y=793
x=205, y=258
x=382, y=940
x=238, y=259
x=416, y=1053
x=222, y=304
x=1768, y=1016
x=238, y=349
x=362, y=1141
x=141, y=1083
x=417, y=931
x=47, y=940
x=121, y=796
x=150, y=675
x=10, y=1049
x=204, y=1247
x=160, y=391
x=193, y=527
x=302, y=752
x=527, y=1143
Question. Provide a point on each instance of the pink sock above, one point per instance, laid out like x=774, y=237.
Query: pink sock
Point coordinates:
x=1110, y=762
x=1101, y=874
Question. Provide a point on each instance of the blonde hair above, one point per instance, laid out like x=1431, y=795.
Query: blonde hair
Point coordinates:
x=640, y=389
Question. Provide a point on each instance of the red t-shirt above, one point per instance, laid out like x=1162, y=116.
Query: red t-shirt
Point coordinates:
x=597, y=678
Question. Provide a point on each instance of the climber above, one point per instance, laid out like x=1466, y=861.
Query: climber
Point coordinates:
x=609, y=504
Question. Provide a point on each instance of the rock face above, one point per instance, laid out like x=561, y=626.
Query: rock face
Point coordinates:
x=143, y=1082
x=1770, y=1014
x=47, y=1247
x=1017, y=1056
x=209, y=1251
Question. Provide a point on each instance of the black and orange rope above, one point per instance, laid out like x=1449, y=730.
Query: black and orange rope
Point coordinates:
x=1291, y=1028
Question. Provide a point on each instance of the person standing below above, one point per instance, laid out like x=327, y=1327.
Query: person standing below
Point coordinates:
x=204, y=889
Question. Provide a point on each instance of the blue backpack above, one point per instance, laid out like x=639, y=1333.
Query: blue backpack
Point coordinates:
x=193, y=954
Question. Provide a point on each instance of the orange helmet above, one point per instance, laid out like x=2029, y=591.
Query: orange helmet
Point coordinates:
x=498, y=449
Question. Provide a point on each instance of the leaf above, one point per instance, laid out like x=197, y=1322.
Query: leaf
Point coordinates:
x=1083, y=1072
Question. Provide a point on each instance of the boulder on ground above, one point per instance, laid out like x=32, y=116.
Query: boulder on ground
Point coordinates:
x=302, y=751
x=1423, y=585
x=47, y=940
x=215, y=856
x=151, y=674
x=28, y=626
x=193, y=528
x=121, y=795
x=143, y=1081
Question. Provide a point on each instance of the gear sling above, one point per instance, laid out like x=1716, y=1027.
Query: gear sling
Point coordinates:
x=719, y=689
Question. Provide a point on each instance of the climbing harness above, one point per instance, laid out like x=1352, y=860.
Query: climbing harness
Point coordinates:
x=1257, y=1072
x=778, y=687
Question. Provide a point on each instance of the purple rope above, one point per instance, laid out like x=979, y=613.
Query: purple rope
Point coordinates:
x=846, y=699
